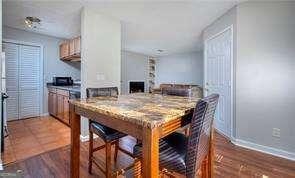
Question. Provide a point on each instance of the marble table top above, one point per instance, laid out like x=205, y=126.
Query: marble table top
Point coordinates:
x=148, y=110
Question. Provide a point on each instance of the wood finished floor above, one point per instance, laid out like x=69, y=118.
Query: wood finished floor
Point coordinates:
x=231, y=162
x=30, y=137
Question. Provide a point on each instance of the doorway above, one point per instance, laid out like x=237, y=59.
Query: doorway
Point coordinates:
x=24, y=86
x=218, y=77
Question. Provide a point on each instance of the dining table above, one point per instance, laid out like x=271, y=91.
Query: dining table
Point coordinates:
x=147, y=117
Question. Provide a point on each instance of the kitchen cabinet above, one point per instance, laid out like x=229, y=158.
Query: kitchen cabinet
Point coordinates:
x=64, y=50
x=66, y=110
x=58, y=104
x=71, y=49
x=75, y=47
x=52, y=104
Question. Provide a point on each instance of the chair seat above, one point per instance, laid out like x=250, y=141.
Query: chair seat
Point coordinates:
x=172, y=151
x=104, y=132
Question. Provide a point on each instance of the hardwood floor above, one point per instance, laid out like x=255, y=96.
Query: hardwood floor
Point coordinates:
x=30, y=137
x=231, y=161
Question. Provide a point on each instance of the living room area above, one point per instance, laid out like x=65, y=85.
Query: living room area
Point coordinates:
x=150, y=87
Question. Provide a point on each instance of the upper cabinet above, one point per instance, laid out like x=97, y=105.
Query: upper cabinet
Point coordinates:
x=70, y=50
x=64, y=50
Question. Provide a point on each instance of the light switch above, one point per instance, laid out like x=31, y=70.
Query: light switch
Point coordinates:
x=100, y=77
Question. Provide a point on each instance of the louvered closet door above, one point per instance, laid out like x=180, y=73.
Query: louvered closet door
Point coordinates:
x=11, y=63
x=29, y=81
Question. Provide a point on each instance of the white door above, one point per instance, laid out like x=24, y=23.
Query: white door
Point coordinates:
x=11, y=58
x=29, y=81
x=218, y=77
x=23, y=80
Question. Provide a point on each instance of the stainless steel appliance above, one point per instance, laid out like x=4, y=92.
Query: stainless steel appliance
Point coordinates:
x=62, y=81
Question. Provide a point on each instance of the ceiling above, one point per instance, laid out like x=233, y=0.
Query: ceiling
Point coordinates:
x=172, y=26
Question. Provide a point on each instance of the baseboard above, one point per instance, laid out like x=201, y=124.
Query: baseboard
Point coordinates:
x=86, y=137
x=265, y=149
x=44, y=114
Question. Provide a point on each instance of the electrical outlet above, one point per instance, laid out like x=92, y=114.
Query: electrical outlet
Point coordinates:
x=276, y=132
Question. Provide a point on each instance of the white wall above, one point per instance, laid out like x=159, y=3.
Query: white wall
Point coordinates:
x=186, y=68
x=52, y=65
x=264, y=66
x=1, y=67
x=101, y=53
x=223, y=22
x=134, y=68
x=265, y=74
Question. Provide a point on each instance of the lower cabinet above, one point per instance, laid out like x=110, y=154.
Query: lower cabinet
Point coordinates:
x=52, y=100
x=58, y=105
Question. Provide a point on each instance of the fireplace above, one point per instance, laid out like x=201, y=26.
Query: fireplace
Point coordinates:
x=135, y=87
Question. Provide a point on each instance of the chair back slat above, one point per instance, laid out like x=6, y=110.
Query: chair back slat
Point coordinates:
x=200, y=130
x=107, y=91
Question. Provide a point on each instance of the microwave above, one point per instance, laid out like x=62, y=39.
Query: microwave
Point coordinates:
x=62, y=81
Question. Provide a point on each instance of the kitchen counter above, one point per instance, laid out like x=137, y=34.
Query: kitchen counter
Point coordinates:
x=75, y=87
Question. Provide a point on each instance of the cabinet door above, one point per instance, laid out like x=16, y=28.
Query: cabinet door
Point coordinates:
x=77, y=43
x=66, y=110
x=61, y=51
x=52, y=104
x=72, y=47
x=64, y=50
x=60, y=104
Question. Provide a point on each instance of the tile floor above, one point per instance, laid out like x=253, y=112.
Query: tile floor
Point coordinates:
x=30, y=137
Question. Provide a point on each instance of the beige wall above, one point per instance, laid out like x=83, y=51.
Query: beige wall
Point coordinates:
x=101, y=53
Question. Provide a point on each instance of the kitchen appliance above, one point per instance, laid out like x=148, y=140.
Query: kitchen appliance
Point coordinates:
x=62, y=81
x=4, y=131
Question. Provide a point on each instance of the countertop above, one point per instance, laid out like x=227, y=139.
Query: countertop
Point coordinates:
x=144, y=109
x=75, y=87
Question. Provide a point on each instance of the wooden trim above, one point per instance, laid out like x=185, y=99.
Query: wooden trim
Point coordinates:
x=75, y=143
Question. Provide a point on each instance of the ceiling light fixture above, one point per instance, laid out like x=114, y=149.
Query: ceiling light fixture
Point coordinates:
x=32, y=22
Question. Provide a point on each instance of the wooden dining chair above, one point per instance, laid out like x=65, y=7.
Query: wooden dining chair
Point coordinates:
x=108, y=135
x=186, y=155
x=185, y=92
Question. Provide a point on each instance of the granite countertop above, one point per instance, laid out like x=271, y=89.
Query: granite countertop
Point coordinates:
x=75, y=87
x=148, y=110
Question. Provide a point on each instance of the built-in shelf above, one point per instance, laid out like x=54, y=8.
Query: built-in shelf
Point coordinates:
x=152, y=75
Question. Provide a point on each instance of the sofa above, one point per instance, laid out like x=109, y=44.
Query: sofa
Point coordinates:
x=195, y=90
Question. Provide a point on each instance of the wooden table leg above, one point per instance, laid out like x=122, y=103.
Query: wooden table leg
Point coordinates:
x=75, y=142
x=211, y=156
x=150, y=151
